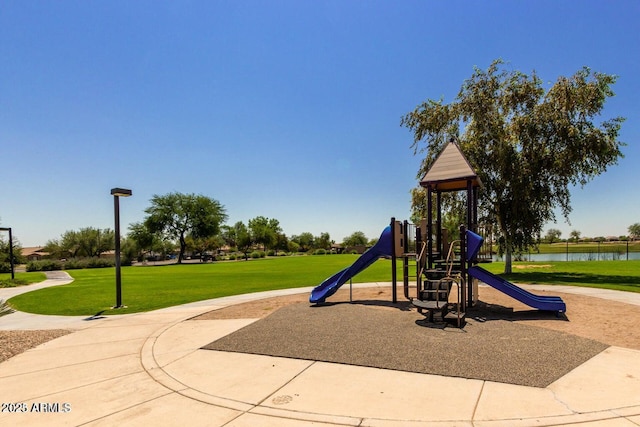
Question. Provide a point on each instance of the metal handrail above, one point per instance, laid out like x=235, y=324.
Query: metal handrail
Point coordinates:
x=457, y=279
x=450, y=257
x=406, y=282
x=424, y=247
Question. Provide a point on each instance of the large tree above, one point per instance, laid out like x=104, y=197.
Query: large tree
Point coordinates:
x=86, y=242
x=94, y=241
x=357, y=238
x=145, y=241
x=6, y=252
x=242, y=238
x=264, y=231
x=178, y=215
x=553, y=235
x=305, y=241
x=323, y=241
x=527, y=144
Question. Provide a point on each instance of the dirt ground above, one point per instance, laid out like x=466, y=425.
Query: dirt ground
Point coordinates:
x=609, y=322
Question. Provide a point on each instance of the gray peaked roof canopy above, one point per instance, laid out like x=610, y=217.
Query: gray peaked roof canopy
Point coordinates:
x=450, y=171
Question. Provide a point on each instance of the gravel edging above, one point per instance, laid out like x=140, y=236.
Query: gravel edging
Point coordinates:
x=13, y=343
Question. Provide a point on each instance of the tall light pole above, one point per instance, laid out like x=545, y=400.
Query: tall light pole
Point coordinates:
x=117, y=193
x=10, y=250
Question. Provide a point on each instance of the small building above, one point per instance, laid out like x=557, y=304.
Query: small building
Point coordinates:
x=35, y=253
x=337, y=248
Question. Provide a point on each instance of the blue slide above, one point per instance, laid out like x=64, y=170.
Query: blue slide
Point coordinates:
x=329, y=287
x=549, y=303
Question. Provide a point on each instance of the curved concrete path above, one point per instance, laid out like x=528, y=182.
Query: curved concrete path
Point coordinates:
x=148, y=369
x=28, y=321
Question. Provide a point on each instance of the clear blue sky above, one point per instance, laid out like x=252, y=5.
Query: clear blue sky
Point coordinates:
x=286, y=109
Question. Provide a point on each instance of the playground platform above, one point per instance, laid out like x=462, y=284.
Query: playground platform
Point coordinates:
x=150, y=369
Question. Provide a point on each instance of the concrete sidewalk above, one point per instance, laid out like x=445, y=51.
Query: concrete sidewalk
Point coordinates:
x=147, y=369
x=27, y=321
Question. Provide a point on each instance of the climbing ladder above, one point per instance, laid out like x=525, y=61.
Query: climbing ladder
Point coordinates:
x=435, y=288
x=428, y=288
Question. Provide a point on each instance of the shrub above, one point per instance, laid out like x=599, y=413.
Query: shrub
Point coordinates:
x=80, y=263
x=271, y=252
x=5, y=267
x=73, y=264
x=99, y=263
x=44, y=265
x=255, y=254
x=320, y=252
x=5, y=309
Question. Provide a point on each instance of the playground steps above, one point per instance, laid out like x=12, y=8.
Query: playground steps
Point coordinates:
x=430, y=305
x=436, y=290
x=456, y=316
x=434, y=298
x=447, y=311
x=432, y=308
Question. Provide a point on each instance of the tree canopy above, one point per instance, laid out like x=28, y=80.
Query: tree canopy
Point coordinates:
x=264, y=231
x=305, y=241
x=177, y=215
x=240, y=237
x=553, y=235
x=527, y=144
x=575, y=235
x=85, y=242
x=355, y=239
x=6, y=252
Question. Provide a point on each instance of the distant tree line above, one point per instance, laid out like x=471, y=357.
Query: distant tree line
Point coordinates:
x=193, y=223
x=187, y=223
x=553, y=235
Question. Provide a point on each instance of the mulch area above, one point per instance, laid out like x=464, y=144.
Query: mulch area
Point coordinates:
x=502, y=340
x=16, y=342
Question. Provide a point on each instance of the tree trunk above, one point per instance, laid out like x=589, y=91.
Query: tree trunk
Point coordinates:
x=183, y=246
x=508, y=247
x=507, y=259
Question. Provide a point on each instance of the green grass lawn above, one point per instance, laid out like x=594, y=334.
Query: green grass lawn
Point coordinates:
x=617, y=275
x=150, y=288
x=20, y=279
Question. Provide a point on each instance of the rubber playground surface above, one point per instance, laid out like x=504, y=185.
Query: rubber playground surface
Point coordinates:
x=401, y=339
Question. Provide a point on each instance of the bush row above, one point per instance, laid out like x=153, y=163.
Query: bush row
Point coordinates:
x=71, y=264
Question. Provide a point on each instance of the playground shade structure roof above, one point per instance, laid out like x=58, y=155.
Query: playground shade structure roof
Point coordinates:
x=450, y=171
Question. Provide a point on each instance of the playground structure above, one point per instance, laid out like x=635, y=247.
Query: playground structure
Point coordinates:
x=439, y=265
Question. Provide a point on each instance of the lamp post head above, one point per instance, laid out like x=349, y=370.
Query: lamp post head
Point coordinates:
x=120, y=192
x=5, y=228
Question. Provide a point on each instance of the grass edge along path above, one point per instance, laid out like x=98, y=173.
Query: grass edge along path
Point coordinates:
x=151, y=288
x=21, y=279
